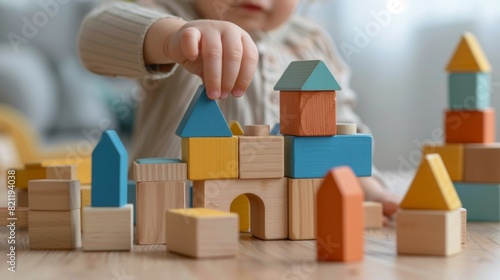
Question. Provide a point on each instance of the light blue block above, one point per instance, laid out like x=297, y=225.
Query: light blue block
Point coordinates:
x=109, y=172
x=469, y=91
x=131, y=195
x=203, y=118
x=312, y=157
x=482, y=201
x=310, y=75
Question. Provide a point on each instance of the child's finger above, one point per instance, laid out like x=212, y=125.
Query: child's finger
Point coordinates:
x=232, y=56
x=190, y=40
x=211, y=51
x=248, y=66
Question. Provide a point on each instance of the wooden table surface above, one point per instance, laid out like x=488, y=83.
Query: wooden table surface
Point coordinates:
x=257, y=259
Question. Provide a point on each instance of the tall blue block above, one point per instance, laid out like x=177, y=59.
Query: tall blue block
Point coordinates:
x=482, y=201
x=109, y=172
x=312, y=157
x=469, y=91
x=131, y=195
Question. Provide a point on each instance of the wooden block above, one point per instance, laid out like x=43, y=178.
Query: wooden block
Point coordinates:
x=27, y=174
x=54, y=230
x=463, y=220
x=19, y=217
x=54, y=195
x=470, y=126
x=109, y=171
x=153, y=200
x=108, y=228
x=268, y=202
x=236, y=128
x=257, y=130
x=85, y=199
x=452, y=156
x=312, y=75
x=312, y=157
x=132, y=196
x=374, y=216
x=159, y=169
x=202, y=233
x=469, y=56
x=429, y=232
x=261, y=157
x=64, y=172
x=211, y=158
x=469, y=91
x=301, y=208
x=308, y=113
x=346, y=129
x=203, y=118
x=83, y=167
x=340, y=217
x=431, y=188
x=241, y=206
x=481, y=163
x=482, y=201
x=22, y=198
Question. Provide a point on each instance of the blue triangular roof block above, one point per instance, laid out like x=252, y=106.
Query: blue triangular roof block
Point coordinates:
x=203, y=118
x=309, y=75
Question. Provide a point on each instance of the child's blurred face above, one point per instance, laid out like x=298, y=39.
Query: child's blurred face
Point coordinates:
x=250, y=15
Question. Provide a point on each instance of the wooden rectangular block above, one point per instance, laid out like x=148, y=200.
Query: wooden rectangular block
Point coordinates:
x=63, y=172
x=85, y=198
x=54, y=195
x=482, y=163
x=153, y=200
x=83, y=167
x=374, y=216
x=159, y=169
x=482, y=201
x=452, y=156
x=108, y=228
x=202, y=233
x=311, y=113
x=470, y=126
x=20, y=217
x=302, y=207
x=211, y=158
x=54, y=230
x=22, y=198
x=429, y=232
x=463, y=217
x=312, y=157
x=261, y=157
x=469, y=91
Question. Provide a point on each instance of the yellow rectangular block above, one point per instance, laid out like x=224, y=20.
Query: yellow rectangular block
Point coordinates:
x=30, y=173
x=211, y=158
x=452, y=156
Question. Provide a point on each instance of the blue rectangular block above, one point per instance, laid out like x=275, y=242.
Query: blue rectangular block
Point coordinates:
x=482, y=201
x=131, y=195
x=469, y=91
x=312, y=157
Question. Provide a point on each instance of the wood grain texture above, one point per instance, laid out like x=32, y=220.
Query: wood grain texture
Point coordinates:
x=482, y=201
x=64, y=172
x=307, y=75
x=268, y=202
x=83, y=166
x=481, y=163
x=302, y=207
x=257, y=130
x=261, y=157
x=20, y=217
x=452, y=156
x=153, y=200
x=468, y=56
x=470, y=126
x=346, y=128
x=54, y=230
x=202, y=233
x=22, y=198
x=469, y=91
x=429, y=232
x=374, y=217
x=463, y=220
x=308, y=113
x=85, y=199
x=159, y=170
x=54, y=195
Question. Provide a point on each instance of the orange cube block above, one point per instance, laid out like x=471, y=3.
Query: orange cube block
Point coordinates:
x=470, y=126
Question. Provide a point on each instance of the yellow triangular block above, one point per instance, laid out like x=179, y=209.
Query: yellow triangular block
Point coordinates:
x=469, y=56
x=431, y=188
x=236, y=128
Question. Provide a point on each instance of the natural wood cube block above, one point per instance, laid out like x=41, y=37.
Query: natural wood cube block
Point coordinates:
x=22, y=197
x=374, y=216
x=261, y=157
x=302, y=207
x=62, y=172
x=51, y=230
x=202, y=233
x=54, y=195
x=481, y=163
x=85, y=198
x=463, y=216
x=20, y=217
x=159, y=169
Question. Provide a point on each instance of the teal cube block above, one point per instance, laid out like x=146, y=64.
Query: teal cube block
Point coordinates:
x=312, y=157
x=482, y=201
x=469, y=91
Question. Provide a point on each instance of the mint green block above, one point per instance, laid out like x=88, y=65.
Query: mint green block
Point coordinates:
x=482, y=201
x=469, y=91
x=308, y=75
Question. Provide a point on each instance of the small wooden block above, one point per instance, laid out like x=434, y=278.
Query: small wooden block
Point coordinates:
x=429, y=232
x=65, y=172
x=241, y=206
x=236, y=128
x=22, y=198
x=211, y=158
x=85, y=198
x=452, y=156
x=312, y=157
x=482, y=201
x=159, y=169
x=470, y=126
x=108, y=228
x=346, y=129
x=83, y=167
x=257, y=130
x=308, y=113
x=481, y=163
x=261, y=157
x=153, y=199
x=469, y=56
x=268, y=202
x=301, y=208
x=54, y=195
x=307, y=75
x=431, y=188
x=202, y=233
x=374, y=216
x=32, y=173
x=463, y=218
x=54, y=230
x=20, y=217
x=469, y=91
x=340, y=217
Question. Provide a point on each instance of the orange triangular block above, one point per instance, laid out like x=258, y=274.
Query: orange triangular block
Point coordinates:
x=431, y=188
x=469, y=56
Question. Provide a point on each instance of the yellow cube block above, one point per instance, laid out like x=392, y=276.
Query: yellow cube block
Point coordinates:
x=453, y=158
x=211, y=158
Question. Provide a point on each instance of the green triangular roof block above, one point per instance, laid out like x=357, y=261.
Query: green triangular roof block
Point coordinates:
x=309, y=75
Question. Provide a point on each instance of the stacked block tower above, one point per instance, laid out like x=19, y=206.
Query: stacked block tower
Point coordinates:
x=469, y=154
